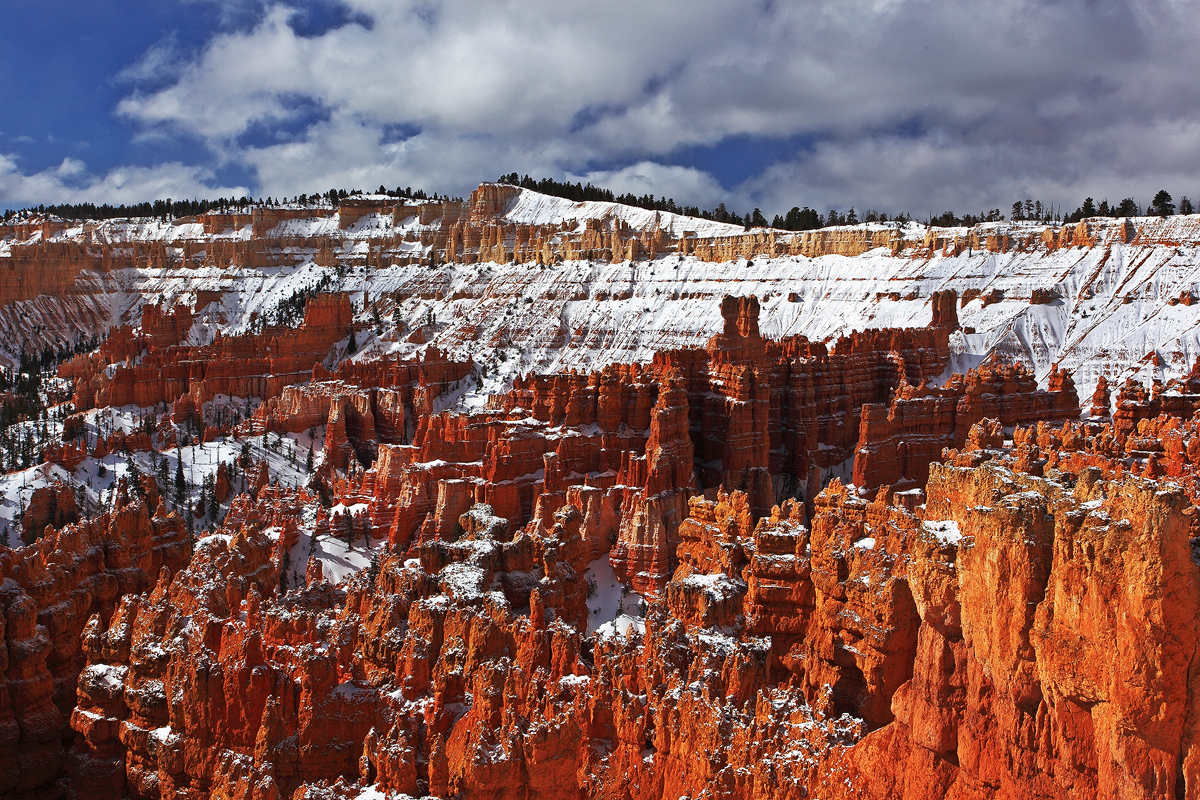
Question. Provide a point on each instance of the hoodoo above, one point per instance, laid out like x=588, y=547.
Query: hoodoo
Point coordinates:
x=522, y=497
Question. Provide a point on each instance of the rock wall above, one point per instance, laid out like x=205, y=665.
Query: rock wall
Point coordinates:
x=897, y=443
x=744, y=414
x=1037, y=627
x=874, y=651
x=158, y=369
x=1003, y=604
x=48, y=592
x=46, y=256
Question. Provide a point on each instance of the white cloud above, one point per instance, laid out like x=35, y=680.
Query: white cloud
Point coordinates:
x=685, y=185
x=161, y=61
x=70, y=182
x=902, y=104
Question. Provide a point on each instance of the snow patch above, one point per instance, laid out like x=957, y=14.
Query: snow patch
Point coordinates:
x=945, y=531
x=611, y=599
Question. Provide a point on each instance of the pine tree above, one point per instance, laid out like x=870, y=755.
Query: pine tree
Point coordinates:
x=1161, y=205
x=804, y=219
x=284, y=570
x=1185, y=205
x=214, y=508
x=373, y=570
x=308, y=464
x=162, y=470
x=349, y=530
x=180, y=483
x=135, y=477
x=352, y=346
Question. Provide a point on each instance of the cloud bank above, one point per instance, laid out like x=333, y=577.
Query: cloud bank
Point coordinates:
x=71, y=182
x=918, y=105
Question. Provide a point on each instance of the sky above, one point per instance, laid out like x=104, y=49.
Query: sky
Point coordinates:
x=920, y=106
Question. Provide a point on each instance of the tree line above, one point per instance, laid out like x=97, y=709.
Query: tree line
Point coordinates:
x=159, y=209
x=797, y=219
x=174, y=209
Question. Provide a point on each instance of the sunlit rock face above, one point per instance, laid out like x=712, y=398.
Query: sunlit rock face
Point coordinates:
x=516, y=497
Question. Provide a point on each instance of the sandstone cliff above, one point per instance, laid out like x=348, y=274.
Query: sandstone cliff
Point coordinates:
x=638, y=579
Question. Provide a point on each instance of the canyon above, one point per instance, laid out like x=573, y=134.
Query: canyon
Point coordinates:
x=523, y=498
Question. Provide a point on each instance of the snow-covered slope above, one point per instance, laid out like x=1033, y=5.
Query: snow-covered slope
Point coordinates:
x=1113, y=308
x=532, y=208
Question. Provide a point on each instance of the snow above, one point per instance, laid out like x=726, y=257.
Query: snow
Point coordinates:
x=16, y=488
x=110, y=678
x=375, y=793
x=338, y=559
x=718, y=586
x=574, y=681
x=843, y=471
x=539, y=209
x=573, y=320
x=866, y=543
x=624, y=626
x=351, y=690
x=463, y=581
x=612, y=600
x=945, y=531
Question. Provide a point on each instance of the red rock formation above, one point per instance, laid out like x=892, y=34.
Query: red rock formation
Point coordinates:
x=956, y=640
x=41, y=261
x=1009, y=687
x=945, y=314
x=874, y=613
x=1101, y=399
x=898, y=443
x=48, y=591
x=243, y=366
x=744, y=414
x=52, y=505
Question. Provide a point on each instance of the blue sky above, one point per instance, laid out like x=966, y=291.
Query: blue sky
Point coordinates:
x=62, y=63
x=917, y=105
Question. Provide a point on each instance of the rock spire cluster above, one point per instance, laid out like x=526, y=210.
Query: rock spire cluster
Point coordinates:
x=327, y=558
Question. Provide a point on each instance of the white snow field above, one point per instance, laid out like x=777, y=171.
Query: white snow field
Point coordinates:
x=1116, y=311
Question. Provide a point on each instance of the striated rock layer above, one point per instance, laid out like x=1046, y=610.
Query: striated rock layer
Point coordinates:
x=961, y=649
x=570, y=282
x=646, y=580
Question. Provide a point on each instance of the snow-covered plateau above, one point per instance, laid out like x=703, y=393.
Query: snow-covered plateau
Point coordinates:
x=284, y=512
x=1118, y=305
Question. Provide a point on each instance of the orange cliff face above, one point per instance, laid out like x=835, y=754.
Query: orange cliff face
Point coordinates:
x=158, y=369
x=628, y=445
x=873, y=652
x=640, y=581
x=46, y=257
x=897, y=443
x=1024, y=676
